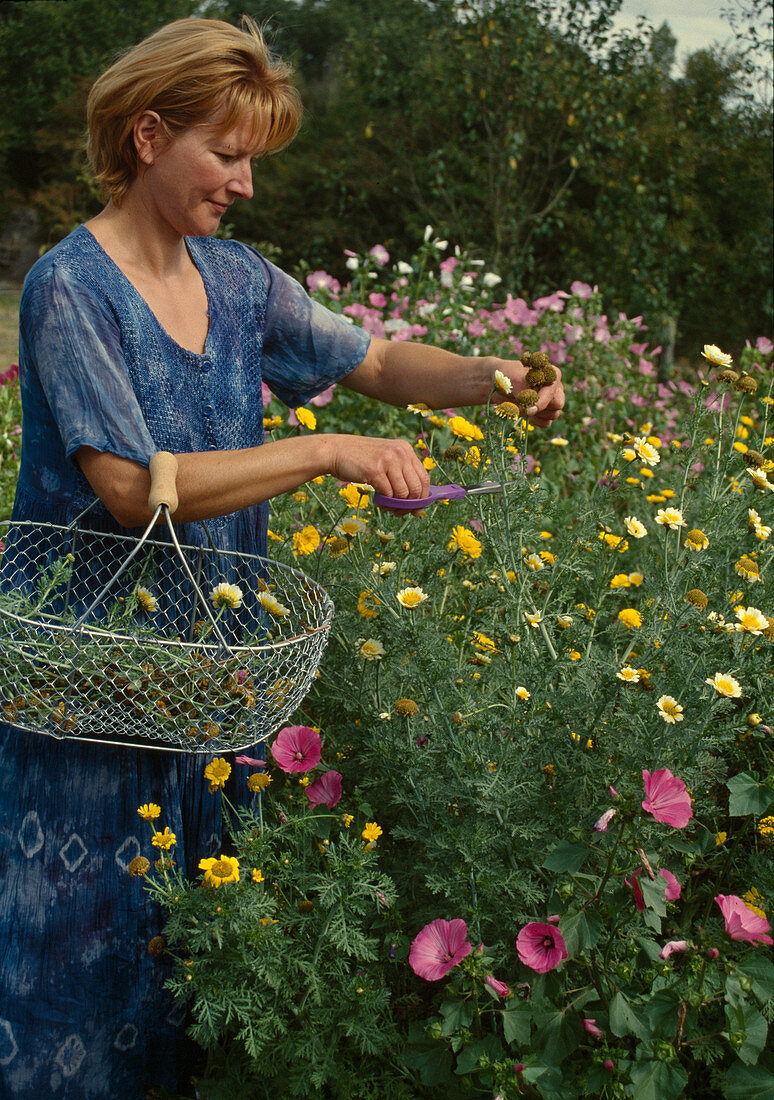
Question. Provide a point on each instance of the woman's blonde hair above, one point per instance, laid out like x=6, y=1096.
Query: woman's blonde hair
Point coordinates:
x=187, y=72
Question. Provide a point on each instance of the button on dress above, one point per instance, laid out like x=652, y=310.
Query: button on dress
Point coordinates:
x=83, y=1012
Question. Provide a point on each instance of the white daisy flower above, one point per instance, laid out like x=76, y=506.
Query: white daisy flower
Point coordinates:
x=226, y=595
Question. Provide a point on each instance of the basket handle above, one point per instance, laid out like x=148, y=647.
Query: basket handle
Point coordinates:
x=163, y=472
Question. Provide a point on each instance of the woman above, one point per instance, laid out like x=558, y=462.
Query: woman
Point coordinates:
x=139, y=333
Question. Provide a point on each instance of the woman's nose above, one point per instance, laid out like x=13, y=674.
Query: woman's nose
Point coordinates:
x=241, y=183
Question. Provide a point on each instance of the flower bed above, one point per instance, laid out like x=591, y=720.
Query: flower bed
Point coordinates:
x=520, y=843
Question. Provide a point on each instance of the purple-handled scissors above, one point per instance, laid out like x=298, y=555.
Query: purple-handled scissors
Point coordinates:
x=437, y=492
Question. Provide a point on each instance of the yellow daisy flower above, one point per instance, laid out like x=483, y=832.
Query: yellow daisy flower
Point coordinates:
x=217, y=772
x=306, y=419
x=725, y=685
x=464, y=540
x=146, y=599
x=464, y=429
x=629, y=675
x=149, y=811
x=272, y=605
x=714, y=355
x=752, y=619
x=669, y=709
x=368, y=604
x=370, y=648
x=502, y=382
x=164, y=840
x=696, y=540
x=306, y=541
x=635, y=528
x=630, y=618
x=226, y=595
x=748, y=568
x=371, y=832
x=411, y=596
x=671, y=518
x=219, y=871
x=356, y=494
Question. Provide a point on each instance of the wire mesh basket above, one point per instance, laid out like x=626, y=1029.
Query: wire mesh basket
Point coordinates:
x=148, y=643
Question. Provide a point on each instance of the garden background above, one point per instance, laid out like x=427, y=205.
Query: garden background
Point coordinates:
x=544, y=717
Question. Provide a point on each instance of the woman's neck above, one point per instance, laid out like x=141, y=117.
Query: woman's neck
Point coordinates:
x=138, y=241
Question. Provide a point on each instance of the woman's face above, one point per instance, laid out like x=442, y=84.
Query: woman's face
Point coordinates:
x=193, y=178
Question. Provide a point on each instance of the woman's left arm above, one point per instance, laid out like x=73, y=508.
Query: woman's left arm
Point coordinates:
x=402, y=372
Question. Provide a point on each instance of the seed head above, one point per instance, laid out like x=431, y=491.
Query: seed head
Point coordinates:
x=729, y=376
x=455, y=453
x=139, y=866
x=746, y=384
x=157, y=946
x=753, y=458
x=526, y=399
x=407, y=707
x=697, y=598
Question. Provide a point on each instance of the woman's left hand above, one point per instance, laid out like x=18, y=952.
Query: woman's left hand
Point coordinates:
x=550, y=400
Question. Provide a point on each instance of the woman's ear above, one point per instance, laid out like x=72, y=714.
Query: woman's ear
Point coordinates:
x=149, y=137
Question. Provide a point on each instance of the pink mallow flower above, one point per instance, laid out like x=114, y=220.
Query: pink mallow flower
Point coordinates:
x=673, y=948
x=590, y=1025
x=438, y=947
x=498, y=987
x=667, y=798
x=326, y=790
x=741, y=922
x=297, y=749
x=250, y=761
x=672, y=892
x=601, y=824
x=379, y=254
x=541, y=947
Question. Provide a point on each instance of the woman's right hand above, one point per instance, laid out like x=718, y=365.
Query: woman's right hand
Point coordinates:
x=390, y=465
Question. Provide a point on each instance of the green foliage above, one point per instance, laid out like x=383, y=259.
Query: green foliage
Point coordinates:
x=485, y=738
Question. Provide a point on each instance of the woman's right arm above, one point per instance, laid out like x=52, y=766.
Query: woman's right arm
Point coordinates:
x=216, y=483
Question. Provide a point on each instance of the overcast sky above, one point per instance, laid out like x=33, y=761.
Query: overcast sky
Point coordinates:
x=695, y=23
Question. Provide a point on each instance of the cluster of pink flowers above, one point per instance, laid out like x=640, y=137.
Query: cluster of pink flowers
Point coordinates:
x=299, y=749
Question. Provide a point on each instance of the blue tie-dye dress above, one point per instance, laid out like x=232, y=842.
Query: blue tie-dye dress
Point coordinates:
x=82, y=1010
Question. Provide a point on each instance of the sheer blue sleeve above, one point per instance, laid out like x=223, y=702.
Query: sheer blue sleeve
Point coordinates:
x=306, y=347
x=71, y=347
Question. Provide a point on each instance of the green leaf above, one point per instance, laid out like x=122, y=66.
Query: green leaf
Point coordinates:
x=660, y=1012
x=580, y=931
x=516, y=1024
x=623, y=1019
x=430, y=1058
x=558, y=1036
x=566, y=857
x=467, y=1061
x=456, y=1014
x=748, y=1083
x=653, y=1080
x=760, y=970
x=747, y=1019
x=653, y=891
x=748, y=796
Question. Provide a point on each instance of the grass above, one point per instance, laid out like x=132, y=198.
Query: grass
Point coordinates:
x=9, y=328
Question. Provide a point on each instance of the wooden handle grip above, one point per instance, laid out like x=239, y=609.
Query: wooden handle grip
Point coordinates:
x=163, y=472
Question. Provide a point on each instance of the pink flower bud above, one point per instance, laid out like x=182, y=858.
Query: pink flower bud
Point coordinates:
x=713, y=953
x=609, y=1064
x=498, y=987
x=590, y=1025
x=601, y=824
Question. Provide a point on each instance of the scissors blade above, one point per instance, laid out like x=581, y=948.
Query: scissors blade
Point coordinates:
x=485, y=487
